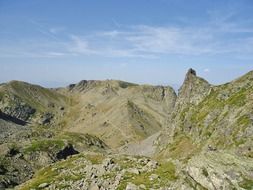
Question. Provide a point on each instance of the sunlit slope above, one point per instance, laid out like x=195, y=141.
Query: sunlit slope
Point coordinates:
x=119, y=112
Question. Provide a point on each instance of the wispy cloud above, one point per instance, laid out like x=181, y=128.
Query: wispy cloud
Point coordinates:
x=99, y=45
x=219, y=36
x=77, y=45
x=56, y=30
x=142, y=41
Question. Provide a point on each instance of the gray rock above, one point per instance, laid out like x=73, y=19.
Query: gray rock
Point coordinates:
x=93, y=187
x=152, y=164
x=107, y=162
x=133, y=171
x=142, y=186
x=131, y=186
x=153, y=177
x=46, y=118
x=43, y=185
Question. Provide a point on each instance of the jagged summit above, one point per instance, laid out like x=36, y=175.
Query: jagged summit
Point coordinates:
x=191, y=72
x=191, y=75
x=87, y=84
x=193, y=89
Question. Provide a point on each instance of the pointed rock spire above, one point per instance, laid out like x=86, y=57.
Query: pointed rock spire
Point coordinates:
x=193, y=89
x=191, y=72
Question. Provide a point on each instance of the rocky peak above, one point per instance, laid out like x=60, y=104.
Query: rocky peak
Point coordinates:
x=191, y=72
x=190, y=76
x=193, y=89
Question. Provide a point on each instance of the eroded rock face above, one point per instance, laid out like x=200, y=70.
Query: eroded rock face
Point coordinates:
x=208, y=131
x=14, y=170
x=16, y=109
x=193, y=90
x=12, y=119
x=214, y=170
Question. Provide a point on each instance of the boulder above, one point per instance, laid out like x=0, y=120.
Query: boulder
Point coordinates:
x=43, y=185
x=131, y=186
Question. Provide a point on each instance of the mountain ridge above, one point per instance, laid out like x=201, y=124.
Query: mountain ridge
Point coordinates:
x=183, y=135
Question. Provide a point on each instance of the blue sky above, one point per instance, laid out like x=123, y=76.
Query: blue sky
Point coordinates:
x=57, y=42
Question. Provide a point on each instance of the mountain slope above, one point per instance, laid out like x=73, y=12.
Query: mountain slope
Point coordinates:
x=41, y=126
x=119, y=112
x=30, y=103
x=201, y=139
x=30, y=135
x=219, y=124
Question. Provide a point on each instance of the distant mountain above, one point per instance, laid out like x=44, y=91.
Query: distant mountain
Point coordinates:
x=118, y=112
x=118, y=135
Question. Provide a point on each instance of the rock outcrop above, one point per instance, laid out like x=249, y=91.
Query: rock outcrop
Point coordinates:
x=95, y=171
x=193, y=90
x=210, y=128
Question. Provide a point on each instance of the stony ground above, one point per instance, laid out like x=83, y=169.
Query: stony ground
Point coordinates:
x=97, y=171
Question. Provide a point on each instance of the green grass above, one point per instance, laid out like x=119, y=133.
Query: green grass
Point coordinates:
x=241, y=124
x=94, y=158
x=46, y=175
x=44, y=145
x=123, y=84
x=182, y=148
x=49, y=175
x=143, y=122
x=212, y=102
x=53, y=174
x=238, y=99
x=166, y=172
x=85, y=139
x=244, y=120
x=35, y=96
x=39, y=143
x=1, y=95
x=246, y=184
x=183, y=113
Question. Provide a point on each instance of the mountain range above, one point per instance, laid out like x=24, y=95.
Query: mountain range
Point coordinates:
x=111, y=134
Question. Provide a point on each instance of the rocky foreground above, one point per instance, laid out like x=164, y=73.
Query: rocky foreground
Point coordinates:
x=117, y=135
x=96, y=171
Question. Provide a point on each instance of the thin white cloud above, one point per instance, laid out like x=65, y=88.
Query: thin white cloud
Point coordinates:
x=167, y=40
x=56, y=30
x=151, y=41
x=220, y=36
x=79, y=45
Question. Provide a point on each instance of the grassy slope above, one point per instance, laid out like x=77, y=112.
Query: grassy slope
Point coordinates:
x=34, y=95
x=222, y=120
x=103, y=109
x=53, y=174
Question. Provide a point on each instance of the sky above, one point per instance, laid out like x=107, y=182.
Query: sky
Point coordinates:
x=57, y=42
